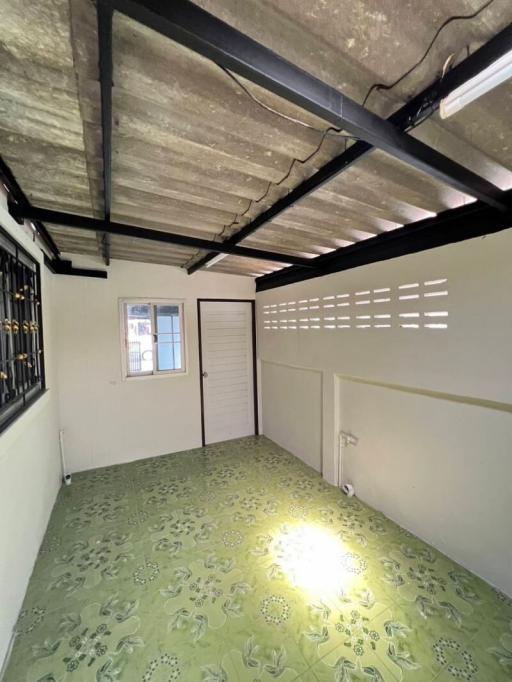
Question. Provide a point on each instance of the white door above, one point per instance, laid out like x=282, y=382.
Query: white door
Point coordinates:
x=227, y=369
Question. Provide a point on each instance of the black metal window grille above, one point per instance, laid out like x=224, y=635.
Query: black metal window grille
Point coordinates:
x=134, y=357
x=21, y=333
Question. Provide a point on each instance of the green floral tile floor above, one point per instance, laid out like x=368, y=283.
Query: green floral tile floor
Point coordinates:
x=238, y=562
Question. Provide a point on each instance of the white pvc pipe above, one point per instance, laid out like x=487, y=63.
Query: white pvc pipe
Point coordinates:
x=65, y=476
x=344, y=440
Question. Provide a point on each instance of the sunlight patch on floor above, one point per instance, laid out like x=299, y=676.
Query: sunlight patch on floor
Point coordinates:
x=316, y=560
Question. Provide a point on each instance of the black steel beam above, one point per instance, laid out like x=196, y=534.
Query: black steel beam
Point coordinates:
x=193, y=27
x=105, y=248
x=122, y=229
x=65, y=267
x=454, y=225
x=17, y=196
x=104, y=12
x=422, y=105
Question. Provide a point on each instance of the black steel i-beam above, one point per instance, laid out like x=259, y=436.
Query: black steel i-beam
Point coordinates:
x=422, y=105
x=104, y=12
x=193, y=27
x=65, y=267
x=124, y=230
x=454, y=225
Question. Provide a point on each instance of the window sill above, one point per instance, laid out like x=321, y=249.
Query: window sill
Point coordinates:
x=162, y=375
x=23, y=411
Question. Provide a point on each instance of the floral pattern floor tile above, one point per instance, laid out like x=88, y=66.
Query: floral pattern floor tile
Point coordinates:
x=238, y=562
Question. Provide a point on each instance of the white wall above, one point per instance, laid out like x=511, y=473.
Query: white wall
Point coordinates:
x=293, y=416
x=29, y=469
x=107, y=419
x=438, y=467
x=468, y=364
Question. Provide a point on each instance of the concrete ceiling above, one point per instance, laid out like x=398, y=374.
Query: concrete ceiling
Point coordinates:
x=194, y=153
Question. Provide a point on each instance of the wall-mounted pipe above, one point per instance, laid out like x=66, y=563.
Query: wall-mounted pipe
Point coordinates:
x=66, y=476
x=345, y=440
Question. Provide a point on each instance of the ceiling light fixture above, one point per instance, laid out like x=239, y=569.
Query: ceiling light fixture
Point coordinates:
x=488, y=79
x=217, y=259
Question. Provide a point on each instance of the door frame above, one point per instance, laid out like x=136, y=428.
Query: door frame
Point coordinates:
x=252, y=301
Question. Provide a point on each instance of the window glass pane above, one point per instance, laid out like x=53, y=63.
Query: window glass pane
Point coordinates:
x=140, y=339
x=168, y=337
x=177, y=354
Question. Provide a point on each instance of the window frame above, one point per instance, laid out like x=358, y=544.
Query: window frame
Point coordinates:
x=28, y=342
x=152, y=302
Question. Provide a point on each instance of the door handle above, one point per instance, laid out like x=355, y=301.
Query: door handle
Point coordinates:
x=204, y=375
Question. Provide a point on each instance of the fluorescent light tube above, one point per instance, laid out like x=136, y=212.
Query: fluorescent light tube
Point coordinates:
x=488, y=79
x=217, y=259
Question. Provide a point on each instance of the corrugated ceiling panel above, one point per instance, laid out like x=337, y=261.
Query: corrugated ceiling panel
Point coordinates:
x=193, y=152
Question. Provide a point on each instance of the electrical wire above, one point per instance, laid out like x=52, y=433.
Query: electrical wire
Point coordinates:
x=295, y=161
x=338, y=131
x=274, y=184
x=447, y=22
x=331, y=130
x=375, y=86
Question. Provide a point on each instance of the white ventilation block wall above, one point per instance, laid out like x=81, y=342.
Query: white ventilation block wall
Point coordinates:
x=430, y=334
